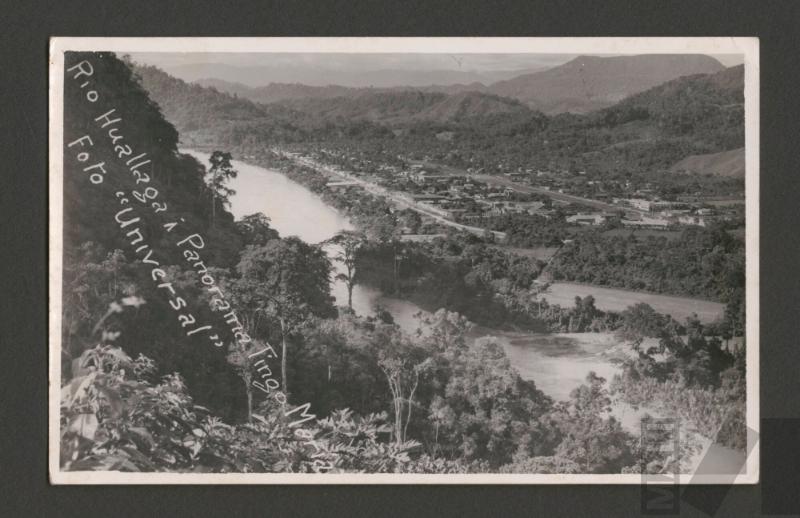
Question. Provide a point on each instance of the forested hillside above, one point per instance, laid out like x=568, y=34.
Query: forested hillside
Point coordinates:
x=706, y=108
x=404, y=108
x=583, y=84
x=649, y=131
x=277, y=92
x=101, y=267
x=588, y=83
x=274, y=92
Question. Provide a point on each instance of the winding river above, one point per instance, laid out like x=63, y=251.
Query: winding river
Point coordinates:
x=556, y=363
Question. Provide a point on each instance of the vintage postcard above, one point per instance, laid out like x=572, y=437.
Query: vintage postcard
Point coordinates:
x=404, y=260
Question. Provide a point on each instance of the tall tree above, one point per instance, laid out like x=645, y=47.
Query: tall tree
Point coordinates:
x=403, y=365
x=592, y=439
x=255, y=229
x=285, y=280
x=398, y=256
x=219, y=174
x=239, y=356
x=348, y=243
x=640, y=321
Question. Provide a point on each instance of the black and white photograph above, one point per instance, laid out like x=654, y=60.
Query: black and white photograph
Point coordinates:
x=404, y=260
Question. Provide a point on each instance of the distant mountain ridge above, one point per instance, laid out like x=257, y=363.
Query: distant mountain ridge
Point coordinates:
x=582, y=85
x=401, y=107
x=194, y=108
x=275, y=92
x=691, y=116
x=278, y=92
x=255, y=76
x=588, y=83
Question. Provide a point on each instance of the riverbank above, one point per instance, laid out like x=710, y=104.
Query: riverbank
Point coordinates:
x=330, y=220
x=563, y=293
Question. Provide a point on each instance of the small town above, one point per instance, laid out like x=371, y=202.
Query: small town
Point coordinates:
x=468, y=198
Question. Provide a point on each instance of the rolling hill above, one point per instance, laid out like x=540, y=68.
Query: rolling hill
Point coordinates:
x=275, y=92
x=727, y=163
x=708, y=108
x=405, y=107
x=278, y=92
x=585, y=84
x=191, y=106
x=589, y=83
x=691, y=116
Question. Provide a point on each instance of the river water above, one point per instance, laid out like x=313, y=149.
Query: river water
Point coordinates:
x=556, y=363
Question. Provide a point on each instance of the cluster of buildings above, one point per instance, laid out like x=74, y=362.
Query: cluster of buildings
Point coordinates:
x=662, y=214
x=471, y=208
x=466, y=199
x=651, y=215
x=593, y=218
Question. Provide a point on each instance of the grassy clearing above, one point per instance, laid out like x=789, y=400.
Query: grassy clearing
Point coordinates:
x=614, y=299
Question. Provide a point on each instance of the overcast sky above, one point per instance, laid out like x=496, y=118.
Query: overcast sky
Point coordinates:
x=363, y=62
x=466, y=62
x=307, y=67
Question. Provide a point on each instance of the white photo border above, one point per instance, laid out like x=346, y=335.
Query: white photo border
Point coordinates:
x=748, y=47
